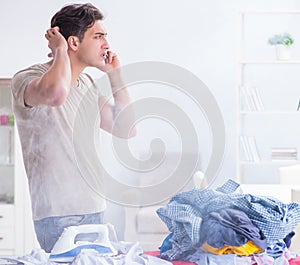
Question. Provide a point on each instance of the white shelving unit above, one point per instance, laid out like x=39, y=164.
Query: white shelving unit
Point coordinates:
x=264, y=61
x=16, y=226
x=8, y=196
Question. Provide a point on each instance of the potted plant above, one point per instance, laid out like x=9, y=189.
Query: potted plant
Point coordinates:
x=283, y=43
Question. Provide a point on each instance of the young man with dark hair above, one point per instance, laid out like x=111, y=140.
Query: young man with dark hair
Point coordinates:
x=46, y=101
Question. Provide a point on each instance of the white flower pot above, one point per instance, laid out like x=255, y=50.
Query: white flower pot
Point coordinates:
x=283, y=52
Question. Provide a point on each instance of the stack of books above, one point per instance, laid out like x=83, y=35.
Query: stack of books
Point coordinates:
x=248, y=144
x=284, y=153
x=252, y=98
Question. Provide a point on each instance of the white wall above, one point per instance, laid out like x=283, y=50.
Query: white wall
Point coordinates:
x=201, y=36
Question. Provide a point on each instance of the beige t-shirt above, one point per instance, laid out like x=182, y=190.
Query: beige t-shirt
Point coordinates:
x=61, y=177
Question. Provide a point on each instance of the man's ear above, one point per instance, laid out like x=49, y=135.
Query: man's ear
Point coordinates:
x=73, y=42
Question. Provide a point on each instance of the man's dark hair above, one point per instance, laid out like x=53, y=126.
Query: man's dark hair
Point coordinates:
x=75, y=19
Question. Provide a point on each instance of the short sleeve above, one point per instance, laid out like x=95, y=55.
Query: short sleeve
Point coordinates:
x=20, y=81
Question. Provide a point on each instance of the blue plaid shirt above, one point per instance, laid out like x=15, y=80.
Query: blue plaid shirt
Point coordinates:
x=183, y=215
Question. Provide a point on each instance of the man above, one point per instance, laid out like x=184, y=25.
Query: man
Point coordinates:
x=46, y=102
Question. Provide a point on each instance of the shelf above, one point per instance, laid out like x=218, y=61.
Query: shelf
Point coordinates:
x=269, y=62
x=270, y=112
x=6, y=201
x=7, y=165
x=270, y=162
x=275, y=12
x=7, y=126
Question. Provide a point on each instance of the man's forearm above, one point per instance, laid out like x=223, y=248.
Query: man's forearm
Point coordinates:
x=119, y=91
x=59, y=73
x=121, y=100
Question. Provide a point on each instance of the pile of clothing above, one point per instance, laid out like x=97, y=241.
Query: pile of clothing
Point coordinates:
x=223, y=226
x=129, y=253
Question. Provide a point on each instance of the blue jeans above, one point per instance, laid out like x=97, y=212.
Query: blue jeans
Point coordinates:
x=49, y=229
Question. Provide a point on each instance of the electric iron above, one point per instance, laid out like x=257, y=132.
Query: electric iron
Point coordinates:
x=67, y=247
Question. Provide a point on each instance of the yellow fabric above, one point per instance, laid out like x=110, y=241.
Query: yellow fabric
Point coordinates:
x=245, y=250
